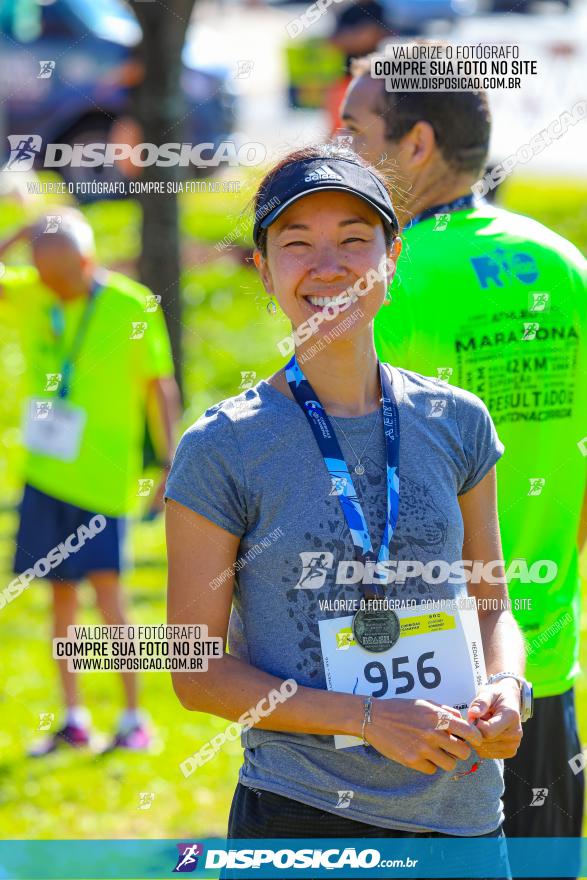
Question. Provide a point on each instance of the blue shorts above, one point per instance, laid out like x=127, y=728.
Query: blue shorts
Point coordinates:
x=47, y=523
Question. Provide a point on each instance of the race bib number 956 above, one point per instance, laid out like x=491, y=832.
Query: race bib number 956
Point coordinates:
x=438, y=657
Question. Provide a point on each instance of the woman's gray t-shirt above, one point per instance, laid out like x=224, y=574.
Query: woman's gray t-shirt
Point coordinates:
x=251, y=465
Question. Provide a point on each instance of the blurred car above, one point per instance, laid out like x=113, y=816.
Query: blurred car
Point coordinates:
x=520, y=6
x=405, y=17
x=412, y=17
x=67, y=68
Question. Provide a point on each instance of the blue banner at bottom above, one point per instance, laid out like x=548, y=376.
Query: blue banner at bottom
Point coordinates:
x=334, y=858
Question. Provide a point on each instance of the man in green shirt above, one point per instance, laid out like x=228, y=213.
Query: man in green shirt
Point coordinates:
x=496, y=303
x=97, y=359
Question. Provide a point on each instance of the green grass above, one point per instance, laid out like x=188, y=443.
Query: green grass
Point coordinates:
x=559, y=203
x=81, y=796
x=227, y=331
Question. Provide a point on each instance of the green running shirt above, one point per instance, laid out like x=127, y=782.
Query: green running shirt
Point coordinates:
x=495, y=302
x=125, y=346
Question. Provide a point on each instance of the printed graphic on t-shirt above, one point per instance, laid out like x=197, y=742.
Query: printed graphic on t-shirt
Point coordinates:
x=316, y=576
x=524, y=368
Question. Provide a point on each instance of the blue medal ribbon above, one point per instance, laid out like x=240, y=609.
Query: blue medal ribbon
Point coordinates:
x=67, y=368
x=456, y=205
x=337, y=467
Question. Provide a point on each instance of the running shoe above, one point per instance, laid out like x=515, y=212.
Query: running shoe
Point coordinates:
x=137, y=739
x=70, y=735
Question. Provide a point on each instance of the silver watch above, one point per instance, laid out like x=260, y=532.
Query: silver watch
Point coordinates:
x=526, y=693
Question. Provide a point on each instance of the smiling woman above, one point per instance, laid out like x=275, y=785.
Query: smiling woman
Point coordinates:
x=375, y=711
x=333, y=228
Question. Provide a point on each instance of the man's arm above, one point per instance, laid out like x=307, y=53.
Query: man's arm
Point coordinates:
x=5, y=246
x=163, y=412
x=496, y=709
x=22, y=235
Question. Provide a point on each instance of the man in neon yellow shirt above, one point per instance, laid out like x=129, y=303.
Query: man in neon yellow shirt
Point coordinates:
x=495, y=302
x=97, y=356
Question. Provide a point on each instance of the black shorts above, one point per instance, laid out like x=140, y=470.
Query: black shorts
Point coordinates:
x=47, y=522
x=261, y=814
x=543, y=796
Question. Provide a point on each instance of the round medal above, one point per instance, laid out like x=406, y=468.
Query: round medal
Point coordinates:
x=376, y=630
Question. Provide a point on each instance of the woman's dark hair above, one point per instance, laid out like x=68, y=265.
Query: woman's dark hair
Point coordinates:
x=313, y=151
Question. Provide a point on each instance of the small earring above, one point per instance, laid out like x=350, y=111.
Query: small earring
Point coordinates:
x=271, y=307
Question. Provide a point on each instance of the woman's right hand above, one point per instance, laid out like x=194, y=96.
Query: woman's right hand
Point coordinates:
x=421, y=735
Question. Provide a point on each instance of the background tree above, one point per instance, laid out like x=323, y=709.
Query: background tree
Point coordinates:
x=160, y=109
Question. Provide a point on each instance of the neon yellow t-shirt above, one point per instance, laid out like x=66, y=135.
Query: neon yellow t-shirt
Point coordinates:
x=496, y=303
x=123, y=348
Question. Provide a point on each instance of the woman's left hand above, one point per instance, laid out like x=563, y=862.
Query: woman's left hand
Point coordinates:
x=496, y=713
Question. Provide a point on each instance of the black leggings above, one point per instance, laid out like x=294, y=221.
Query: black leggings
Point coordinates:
x=261, y=814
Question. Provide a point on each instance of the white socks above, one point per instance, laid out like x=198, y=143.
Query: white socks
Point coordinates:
x=78, y=716
x=130, y=719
